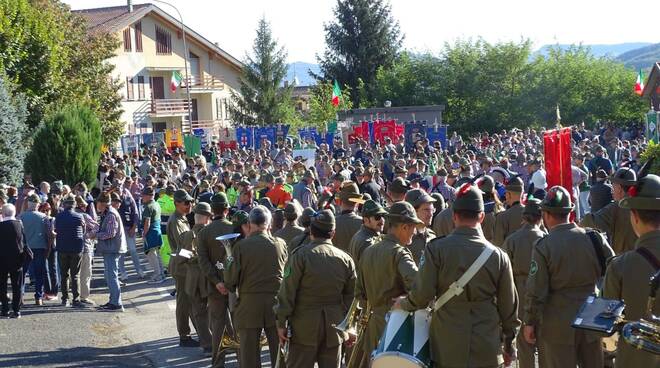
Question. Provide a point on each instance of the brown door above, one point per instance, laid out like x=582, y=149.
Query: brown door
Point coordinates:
x=157, y=88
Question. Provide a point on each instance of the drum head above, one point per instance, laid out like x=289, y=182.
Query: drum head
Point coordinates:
x=395, y=360
x=228, y=236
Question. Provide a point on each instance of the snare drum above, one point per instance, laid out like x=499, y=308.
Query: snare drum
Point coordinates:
x=405, y=341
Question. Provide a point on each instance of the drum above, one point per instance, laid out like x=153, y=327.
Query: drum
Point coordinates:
x=405, y=341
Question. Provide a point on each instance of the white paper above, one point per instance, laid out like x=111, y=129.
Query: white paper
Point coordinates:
x=185, y=253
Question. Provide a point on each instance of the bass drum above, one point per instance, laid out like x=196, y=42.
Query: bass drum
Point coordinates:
x=405, y=341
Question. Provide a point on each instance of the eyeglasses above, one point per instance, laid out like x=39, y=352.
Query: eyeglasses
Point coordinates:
x=378, y=217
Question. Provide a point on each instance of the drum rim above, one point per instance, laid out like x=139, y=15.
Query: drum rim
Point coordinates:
x=401, y=354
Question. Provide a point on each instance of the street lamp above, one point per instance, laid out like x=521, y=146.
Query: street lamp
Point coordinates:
x=185, y=59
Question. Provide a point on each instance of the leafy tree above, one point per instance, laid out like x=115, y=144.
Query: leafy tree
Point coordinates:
x=67, y=147
x=262, y=100
x=13, y=113
x=363, y=38
x=321, y=109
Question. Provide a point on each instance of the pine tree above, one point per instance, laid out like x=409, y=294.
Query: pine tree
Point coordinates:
x=13, y=129
x=263, y=100
x=363, y=38
x=67, y=147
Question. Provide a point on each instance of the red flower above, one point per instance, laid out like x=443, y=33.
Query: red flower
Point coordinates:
x=464, y=189
x=632, y=191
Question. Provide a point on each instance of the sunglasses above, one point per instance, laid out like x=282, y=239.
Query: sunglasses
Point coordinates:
x=378, y=217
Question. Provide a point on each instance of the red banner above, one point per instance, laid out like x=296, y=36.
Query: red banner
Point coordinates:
x=557, y=149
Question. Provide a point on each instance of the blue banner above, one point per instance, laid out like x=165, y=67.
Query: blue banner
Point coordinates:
x=307, y=134
x=281, y=131
x=244, y=137
x=438, y=133
x=413, y=131
x=261, y=133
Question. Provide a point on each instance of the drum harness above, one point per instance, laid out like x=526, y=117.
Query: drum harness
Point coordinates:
x=457, y=287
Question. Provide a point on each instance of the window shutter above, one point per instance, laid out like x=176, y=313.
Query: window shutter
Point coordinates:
x=140, y=80
x=138, y=37
x=129, y=89
x=127, y=40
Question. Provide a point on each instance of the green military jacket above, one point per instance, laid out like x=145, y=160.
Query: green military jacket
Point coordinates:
x=443, y=224
x=255, y=272
x=288, y=232
x=627, y=279
x=317, y=289
x=563, y=273
x=386, y=270
x=419, y=242
x=360, y=241
x=177, y=225
x=488, y=224
x=196, y=284
x=615, y=222
x=211, y=253
x=507, y=222
x=519, y=247
x=299, y=240
x=469, y=329
x=347, y=224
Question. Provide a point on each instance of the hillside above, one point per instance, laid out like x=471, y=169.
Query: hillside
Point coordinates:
x=641, y=58
x=598, y=50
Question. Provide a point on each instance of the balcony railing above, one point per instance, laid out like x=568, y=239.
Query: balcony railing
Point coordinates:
x=203, y=124
x=170, y=107
x=205, y=82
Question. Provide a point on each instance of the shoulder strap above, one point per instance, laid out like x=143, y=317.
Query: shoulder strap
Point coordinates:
x=649, y=257
x=456, y=288
x=597, y=244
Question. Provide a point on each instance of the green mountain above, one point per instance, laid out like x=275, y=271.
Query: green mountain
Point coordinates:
x=598, y=50
x=641, y=58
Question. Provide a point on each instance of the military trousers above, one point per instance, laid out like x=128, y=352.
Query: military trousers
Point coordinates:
x=250, y=350
x=183, y=307
x=586, y=353
x=304, y=356
x=218, y=318
x=525, y=352
x=200, y=317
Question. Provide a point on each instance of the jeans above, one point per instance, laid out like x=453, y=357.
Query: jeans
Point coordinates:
x=111, y=273
x=70, y=268
x=53, y=278
x=153, y=257
x=130, y=242
x=16, y=277
x=39, y=268
x=86, y=274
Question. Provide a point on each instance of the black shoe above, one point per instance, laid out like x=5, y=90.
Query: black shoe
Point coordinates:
x=16, y=315
x=173, y=293
x=77, y=304
x=65, y=303
x=188, y=342
x=4, y=313
x=112, y=307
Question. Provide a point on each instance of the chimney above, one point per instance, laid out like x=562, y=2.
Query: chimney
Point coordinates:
x=130, y=6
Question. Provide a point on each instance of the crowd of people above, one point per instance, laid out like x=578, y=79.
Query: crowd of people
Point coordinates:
x=390, y=226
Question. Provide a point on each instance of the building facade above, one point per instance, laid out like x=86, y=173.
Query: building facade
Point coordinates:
x=150, y=54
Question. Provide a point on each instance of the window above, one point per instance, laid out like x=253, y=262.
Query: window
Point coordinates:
x=138, y=37
x=140, y=87
x=218, y=109
x=127, y=40
x=129, y=89
x=225, y=103
x=163, y=41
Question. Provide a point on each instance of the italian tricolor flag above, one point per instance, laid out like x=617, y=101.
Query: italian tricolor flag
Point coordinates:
x=336, y=94
x=176, y=80
x=639, y=85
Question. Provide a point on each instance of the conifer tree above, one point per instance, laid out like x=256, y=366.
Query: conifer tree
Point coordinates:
x=13, y=130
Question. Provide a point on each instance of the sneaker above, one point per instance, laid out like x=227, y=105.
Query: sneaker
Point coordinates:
x=122, y=283
x=15, y=315
x=112, y=307
x=87, y=301
x=39, y=302
x=103, y=306
x=65, y=303
x=77, y=304
x=188, y=342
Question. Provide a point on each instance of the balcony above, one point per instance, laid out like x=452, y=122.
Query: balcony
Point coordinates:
x=203, y=84
x=206, y=124
x=169, y=107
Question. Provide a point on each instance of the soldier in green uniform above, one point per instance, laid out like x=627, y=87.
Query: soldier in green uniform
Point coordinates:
x=211, y=257
x=443, y=224
x=507, y=222
x=492, y=206
x=318, y=286
x=255, y=272
x=613, y=219
x=476, y=327
x=305, y=221
x=397, y=190
x=177, y=225
x=563, y=273
x=628, y=275
x=519, y=247
x=196, y=285
x=386, y=270
x=291, y=228
x=423, y=205
x=348, y=222
x=373, y=221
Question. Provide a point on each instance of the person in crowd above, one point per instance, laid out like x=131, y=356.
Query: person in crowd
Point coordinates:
x=123, y=202
x=303, y=191
x=373, y=222
x=91, y=227
x=423, y=204
x=111, y=244
x=348, y=221
x=291, y=229
x=36, y=227
x=600, y=192
x=151, y=235
x=14, y=254
x=70, y=229
x=510, y=220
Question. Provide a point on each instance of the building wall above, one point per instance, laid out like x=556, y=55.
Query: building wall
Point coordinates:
x=131, y=64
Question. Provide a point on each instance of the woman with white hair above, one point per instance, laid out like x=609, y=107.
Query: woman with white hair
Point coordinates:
x=13, y=253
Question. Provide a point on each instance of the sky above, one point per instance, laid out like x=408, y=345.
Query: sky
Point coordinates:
x=426, y=24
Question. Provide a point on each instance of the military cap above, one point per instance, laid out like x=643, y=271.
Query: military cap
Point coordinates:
x=399, y=186
x=417, y=197
x=532, y=206
x=439, y=200
x=103, y=198
x=644, y=195
x=463, y=162
x=371, y=208
x=469, y=198
x=442, y=172
x=486, y=184
x=291, y=209
x=349, y=190
x=148, y=191
x=365, y=197
x=71, y=198
x=239, y=218
x=34, y=198
x=236, y=176
x=400, y=170
x=57, y=187
x=515, y=184
x=338, y=177
x=203, y=208
x=182, y=196
x=219, y=199
x=114, y=197
x=558, y=200
x=415, y=178
x=403, y=212
x=624, y=176
x=169, y=189
x=323, y=220
x=306, y=216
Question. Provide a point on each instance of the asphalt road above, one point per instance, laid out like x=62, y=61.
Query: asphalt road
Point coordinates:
x=143, y=336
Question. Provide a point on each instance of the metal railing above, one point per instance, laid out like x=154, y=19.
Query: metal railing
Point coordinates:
x=169, y=107
x=203, y=82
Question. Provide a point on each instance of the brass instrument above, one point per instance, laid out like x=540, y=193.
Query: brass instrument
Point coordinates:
x=645, y=333
x=355, y=323
x=283, y=351
x=228, y=342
